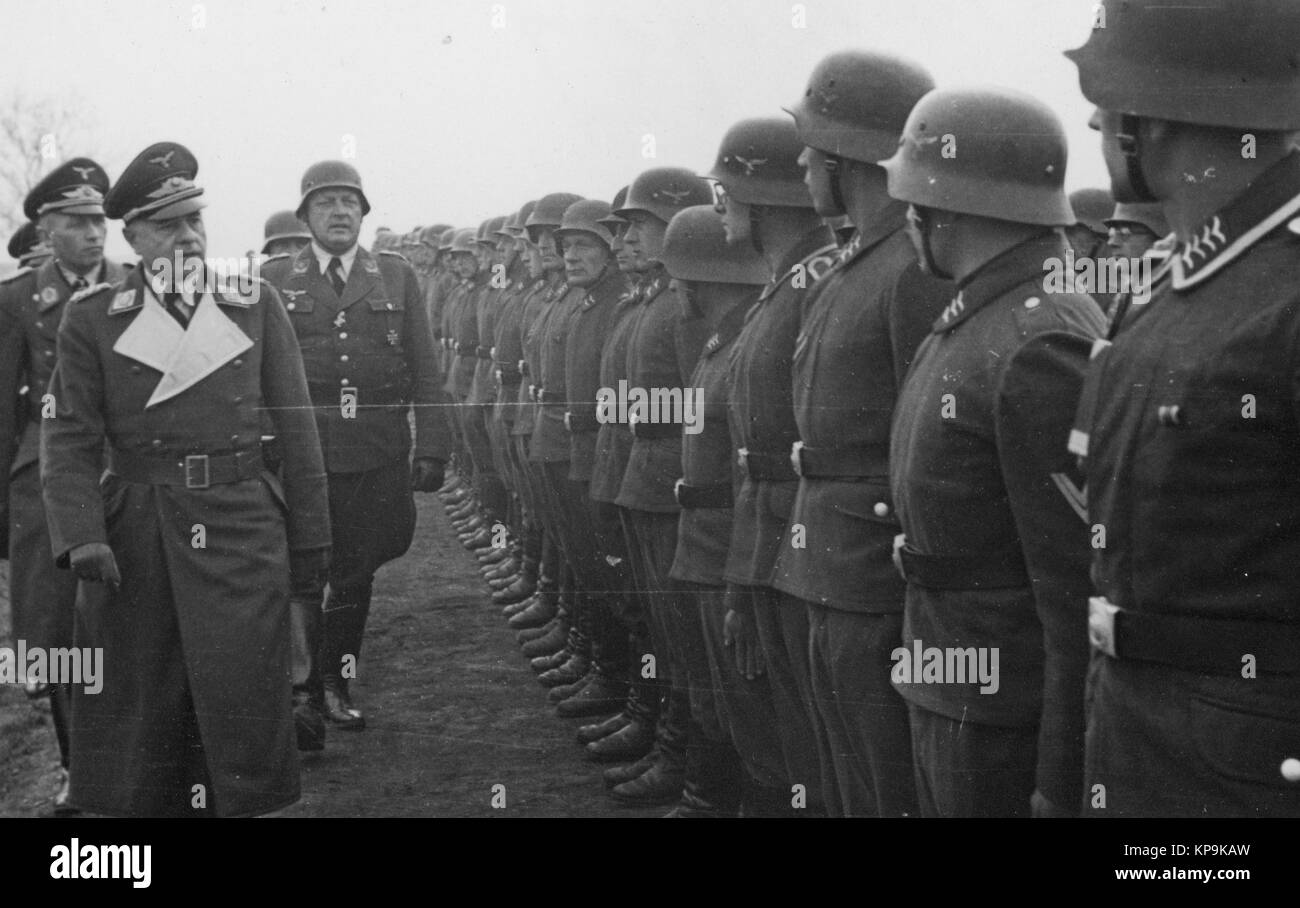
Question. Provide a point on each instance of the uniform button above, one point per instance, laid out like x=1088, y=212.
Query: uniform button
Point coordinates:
x=135, y=370
x=344, y=382
x=157, y=442
x=237, y=400
x=390, y=305
x=237, y=363
x=290, y=305
x=1291, y=766
x=1032, y=302
x=49, y=352
x=234, y=438
x=343, y=358
x=881, y=509
x=343, y=335
x=40, y=324
x=1169, y=415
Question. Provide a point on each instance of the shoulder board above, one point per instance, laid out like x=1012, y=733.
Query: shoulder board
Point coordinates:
x=233, y=298
x=1294, y=226
x=88, y=292
x=21, y=272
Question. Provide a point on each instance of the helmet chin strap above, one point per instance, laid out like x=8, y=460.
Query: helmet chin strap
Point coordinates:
x=754, y=239
x=1130, y=147
x=834, y=167
x=928, y=263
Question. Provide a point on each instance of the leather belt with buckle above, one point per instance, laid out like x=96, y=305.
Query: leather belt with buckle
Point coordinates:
x=839, y=463
x=695, y=497
x=583, y=420
x=979, y=571
x=766, y=466
x=193, y=471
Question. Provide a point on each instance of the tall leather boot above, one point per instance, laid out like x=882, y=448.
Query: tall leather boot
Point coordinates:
x=343, y=622
x=643, y=707
x=713, y=778
x=578, y=645
x=60, y=715
x=308, y=692
x=606, y=692
x=540, y=612
x=662, y=783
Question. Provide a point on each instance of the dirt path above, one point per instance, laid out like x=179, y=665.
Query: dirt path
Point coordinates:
x=452, y=710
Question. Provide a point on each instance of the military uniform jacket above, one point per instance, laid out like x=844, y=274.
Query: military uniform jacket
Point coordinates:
x=509, y=346
x=709, y=464
x=31, y=307
x=495, y=298
x=761, y=411
x=508, y=350
x=1193, y=452
x=589, y=326
x=437, y=290
x=464, y=337
x=614, y=440
x=861, y=327
x=550, y=442
x=532, y=325
x=375, y=343
x=991, y=506
x=661, y=355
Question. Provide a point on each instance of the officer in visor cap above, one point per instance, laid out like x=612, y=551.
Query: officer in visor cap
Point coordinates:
x=368, y=352
x=184, y=544
x=1194, y=695
x=67, y=214
x=27, y=247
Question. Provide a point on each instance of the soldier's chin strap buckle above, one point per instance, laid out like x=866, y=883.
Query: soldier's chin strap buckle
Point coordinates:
x=796, y=457
x=198, y=474
x=1101, y=625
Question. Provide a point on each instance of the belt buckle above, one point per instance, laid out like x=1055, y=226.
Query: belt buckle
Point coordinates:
x=567, y=423
x=192, y=462
x=522, y=365
x=742, y=458
x=677, y=489
x=796, y=457
x=1101, y=625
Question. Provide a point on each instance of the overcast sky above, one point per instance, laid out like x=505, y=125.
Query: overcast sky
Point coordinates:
x=457, y=110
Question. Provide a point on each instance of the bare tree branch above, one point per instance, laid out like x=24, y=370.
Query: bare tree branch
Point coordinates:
x=37, y=134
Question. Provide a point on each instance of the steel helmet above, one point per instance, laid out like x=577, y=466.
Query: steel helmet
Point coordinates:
x=664, y=191
x=696, y=249
x=429, y=235
x=515, y=225
x=1091, y=208
x=1228, y=63
x=990, y=152
x=463, y=240
x=856, y=103
x=487, y=231
x=758, y=164
x=331, y=175
x=1149, y=214
x=284, y=225
x=446, y=238
x=585, y=216
x=611, y=220
x=549, y=211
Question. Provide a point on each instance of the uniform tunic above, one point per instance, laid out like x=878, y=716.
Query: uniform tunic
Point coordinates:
x=31, y=307
x=198, y=633
x=989, y=501
x=1193, y=466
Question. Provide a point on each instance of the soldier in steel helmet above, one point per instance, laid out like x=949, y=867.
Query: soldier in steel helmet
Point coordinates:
x=994, y=534
x=284, y=234
x=368, y=352
x=858, y=337
x=718, y=281
x=765, y=207
x=1191, y=428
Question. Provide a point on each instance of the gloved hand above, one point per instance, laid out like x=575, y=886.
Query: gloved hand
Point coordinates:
x=94, y=563
x=740, y=633
x=308, y=569
x=427, y=474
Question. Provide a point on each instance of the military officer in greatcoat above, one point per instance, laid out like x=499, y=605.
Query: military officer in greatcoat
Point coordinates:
x=1192, y=487
x=367, y=348
x=159, y=501
x=67, y=207
x=994, y=542
x=27, y=247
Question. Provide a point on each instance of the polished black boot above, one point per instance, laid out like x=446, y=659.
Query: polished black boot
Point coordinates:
x=343, y=624
x=663, y=782
x=713, y=779
x=308, y=693
x=550, y=642
x=596, y=730
x=536, y=615
x=617, y=775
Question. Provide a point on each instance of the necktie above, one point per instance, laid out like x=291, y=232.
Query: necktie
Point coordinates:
x=177, y=308
x=336, y=275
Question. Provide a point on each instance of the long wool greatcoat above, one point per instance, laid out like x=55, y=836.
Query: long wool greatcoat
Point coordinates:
x=196, y=645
